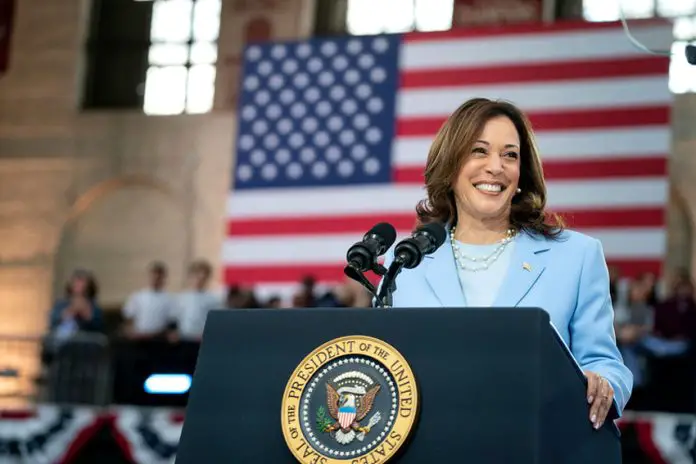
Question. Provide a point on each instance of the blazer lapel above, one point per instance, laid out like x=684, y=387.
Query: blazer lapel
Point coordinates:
x=526, y=266
x=442, y=276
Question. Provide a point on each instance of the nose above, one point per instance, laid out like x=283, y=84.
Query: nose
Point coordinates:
x=494, y=164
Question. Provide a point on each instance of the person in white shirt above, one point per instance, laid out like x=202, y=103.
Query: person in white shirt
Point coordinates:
x=147, y=311
x=192, y=306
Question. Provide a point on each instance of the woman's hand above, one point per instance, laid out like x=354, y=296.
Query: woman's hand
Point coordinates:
x=600, y=395
x=82, y=307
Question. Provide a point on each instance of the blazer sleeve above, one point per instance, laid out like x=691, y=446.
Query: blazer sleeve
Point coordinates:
x=593, y=341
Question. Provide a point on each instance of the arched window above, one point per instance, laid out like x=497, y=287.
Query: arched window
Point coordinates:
x=182, y=56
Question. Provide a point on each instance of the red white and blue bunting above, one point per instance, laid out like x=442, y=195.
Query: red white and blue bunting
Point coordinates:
x=152, y=435
x=660, y=438
x=46, y=434
x=55, y=435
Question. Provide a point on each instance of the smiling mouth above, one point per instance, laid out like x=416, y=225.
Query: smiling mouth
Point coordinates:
x=490, y=187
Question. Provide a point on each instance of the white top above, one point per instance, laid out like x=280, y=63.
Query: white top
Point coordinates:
x=481, y=287
x=191, y=311
x=149, y=310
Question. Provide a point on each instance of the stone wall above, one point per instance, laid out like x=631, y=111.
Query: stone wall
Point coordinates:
x=109, y=191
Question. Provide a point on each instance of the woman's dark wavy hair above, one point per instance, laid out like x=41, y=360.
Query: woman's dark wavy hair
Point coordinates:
x=92, y=287
x=452, y=146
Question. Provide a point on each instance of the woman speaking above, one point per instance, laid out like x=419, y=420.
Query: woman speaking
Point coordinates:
x=484, y=181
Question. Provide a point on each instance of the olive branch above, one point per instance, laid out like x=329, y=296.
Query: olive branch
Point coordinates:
x=323, y=420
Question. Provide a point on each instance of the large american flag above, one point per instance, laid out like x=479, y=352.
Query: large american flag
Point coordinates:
x=333, y=135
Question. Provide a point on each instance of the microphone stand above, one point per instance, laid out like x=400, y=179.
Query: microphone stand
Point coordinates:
x=352, y=271
x=385, y=297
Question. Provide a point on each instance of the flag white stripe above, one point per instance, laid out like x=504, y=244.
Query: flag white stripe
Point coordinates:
x=509, y=50
x=331, y=248
x=564, y=145
x=331, y=201
x=576, y=94
x=663, y=428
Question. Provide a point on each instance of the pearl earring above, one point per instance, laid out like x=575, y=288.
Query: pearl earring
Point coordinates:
x=519, y=190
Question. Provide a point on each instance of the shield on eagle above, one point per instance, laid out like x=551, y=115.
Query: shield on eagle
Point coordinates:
x=346, y=416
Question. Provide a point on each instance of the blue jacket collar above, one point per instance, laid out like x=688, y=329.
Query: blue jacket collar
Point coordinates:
x=526, y=266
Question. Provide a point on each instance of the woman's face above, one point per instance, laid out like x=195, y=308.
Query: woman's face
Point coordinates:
x=488, y=180
x=79, y=286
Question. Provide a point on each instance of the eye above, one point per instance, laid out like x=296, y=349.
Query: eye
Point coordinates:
x=512, y=154
x=479, y=150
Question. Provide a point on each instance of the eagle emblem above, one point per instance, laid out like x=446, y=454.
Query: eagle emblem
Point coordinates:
x=349, y=400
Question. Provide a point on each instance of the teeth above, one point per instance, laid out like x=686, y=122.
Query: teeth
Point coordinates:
x=489, y=187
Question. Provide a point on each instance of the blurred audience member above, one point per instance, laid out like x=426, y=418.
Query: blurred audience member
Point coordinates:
x=234, y=296
x=191, y=307
x=306, y=297
x=349, y=294
x=633, y=321
x=675, y=318
x=649, y=280
x=147, y=311
x=77, y=310
x=243, y=298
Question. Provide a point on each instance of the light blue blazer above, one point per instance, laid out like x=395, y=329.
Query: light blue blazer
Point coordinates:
x=567, y=277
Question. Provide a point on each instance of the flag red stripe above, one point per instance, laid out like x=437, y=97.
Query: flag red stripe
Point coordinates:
x=359, y=224
x=644, y=433
x=246, y=275
x=257, y=275
x=556, y=120
x=564, y=170
x=527, y=28
x=536, y=72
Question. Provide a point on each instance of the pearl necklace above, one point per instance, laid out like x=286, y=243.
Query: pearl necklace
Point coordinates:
x=486, y=261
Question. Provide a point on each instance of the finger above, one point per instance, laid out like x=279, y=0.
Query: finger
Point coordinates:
x=601, y=405
x=607, y=400
x=596, y=401
x=601, y=413
x=591, y=388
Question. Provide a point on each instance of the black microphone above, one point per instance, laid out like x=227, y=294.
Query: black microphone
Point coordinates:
x=409, y=253
x=363, y=254
x=425, y=240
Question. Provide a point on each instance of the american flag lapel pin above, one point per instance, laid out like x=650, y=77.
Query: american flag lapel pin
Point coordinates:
x=526, y=266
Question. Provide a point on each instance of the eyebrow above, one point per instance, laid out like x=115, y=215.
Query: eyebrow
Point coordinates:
x=509, y=145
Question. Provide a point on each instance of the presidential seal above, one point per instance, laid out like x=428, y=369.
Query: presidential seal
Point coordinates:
x=352, y=400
